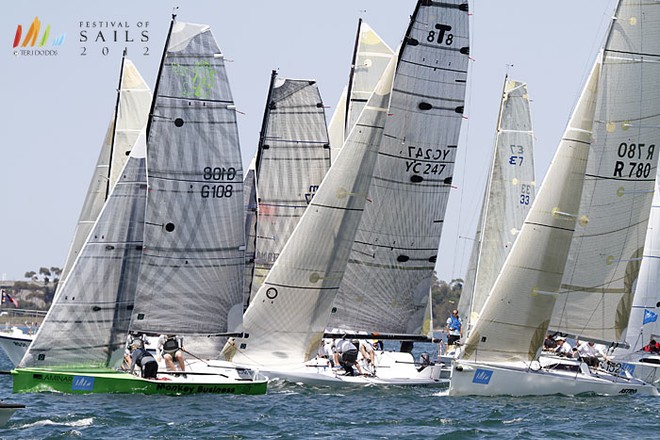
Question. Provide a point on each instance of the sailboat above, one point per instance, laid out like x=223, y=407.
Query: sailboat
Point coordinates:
x=292, y=158
x=509, y=193
x=572, y=267
x=422, y=113
x=285, y=321
x=155, y=259
x=388, y=278
x=643, y=325
x=129, y=120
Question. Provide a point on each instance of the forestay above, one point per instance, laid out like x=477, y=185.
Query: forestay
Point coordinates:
x=509, y=194
x=603, y=264
x=192, y=272
x=293, y=157
x=286, y=319
x=389, y=273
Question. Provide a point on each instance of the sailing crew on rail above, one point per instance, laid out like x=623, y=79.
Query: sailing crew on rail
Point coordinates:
x=454, y=328
x=170, y=347
x=143, y=359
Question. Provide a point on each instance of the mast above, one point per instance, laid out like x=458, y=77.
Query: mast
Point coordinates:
x=350, y=78
x=160, y=71
x=114, y=132
x=264, y=124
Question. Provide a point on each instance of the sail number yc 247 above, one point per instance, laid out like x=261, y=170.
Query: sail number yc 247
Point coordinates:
x=427, y=160
x=219, y=186
x=636, y=161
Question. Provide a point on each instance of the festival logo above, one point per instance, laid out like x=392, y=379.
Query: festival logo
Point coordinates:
x=33, y=44
x=482, y=376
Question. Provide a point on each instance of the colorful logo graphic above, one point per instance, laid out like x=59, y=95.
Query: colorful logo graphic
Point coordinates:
x=82, y=383
x=33, y=35
x=482, y=376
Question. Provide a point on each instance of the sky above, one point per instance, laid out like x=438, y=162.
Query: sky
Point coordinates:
x=57, y=102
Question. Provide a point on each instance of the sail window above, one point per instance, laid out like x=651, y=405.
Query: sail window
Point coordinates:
x=416, y=178
x=178, y=122
x=402, y=258
x=109, y=247
x=169, y=227
x=425, y=106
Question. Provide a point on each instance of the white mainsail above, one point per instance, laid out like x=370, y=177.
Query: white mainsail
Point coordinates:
x=88, y=321
x=509, y=194
x=389, y=273
x=250, y=208
x=292, y=159
x=129, y=120
x=603, y=264
x=192, y=272
x=286, y=318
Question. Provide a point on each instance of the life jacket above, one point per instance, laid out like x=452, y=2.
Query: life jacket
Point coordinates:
x=144, y=358
x=171, y=345
x=455, y=324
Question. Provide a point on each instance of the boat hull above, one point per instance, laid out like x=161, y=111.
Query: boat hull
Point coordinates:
x=392, y=369
x=15, y=344
x=515, y=379
x=86, y=381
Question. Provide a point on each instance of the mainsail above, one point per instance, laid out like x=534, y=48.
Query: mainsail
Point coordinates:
x=88, y=321
x=603, y=264
x=192, y=272
x=129, y=120
x=389, y=273
x=292, y=159
x=509, y=194
x=287, y=317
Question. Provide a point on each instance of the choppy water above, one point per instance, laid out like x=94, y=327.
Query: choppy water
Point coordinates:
x=297, y=412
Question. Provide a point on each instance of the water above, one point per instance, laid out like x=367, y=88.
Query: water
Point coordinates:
x=291, y=411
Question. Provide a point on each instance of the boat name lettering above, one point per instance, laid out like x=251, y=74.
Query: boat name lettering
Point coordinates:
x=217, y=191
x=219, y=173
x=189, y=389
x=428, y=153
x=268, y=257
x=442, y=36
x=628, y=391
x=56, y=378
x=424, y=168
x=641, y=168
x=20, y=344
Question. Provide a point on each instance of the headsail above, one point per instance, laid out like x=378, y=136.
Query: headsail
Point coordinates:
x=286, y=319
x=516, y=313
x=129, y=120
x=192, y=272
x=389, y=273
x=603, y=264
x=509, y=195
x=88, y=321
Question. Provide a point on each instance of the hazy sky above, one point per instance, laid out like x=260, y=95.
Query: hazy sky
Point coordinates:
x=56, y=108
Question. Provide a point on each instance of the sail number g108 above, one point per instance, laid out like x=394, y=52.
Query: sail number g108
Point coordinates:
x=218, y=174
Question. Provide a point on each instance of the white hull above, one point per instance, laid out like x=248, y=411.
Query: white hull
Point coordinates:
x=15, y=343
x=515, y=379
x=392, y=368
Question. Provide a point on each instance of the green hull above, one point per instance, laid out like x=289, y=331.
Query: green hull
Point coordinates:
x=99, y=380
